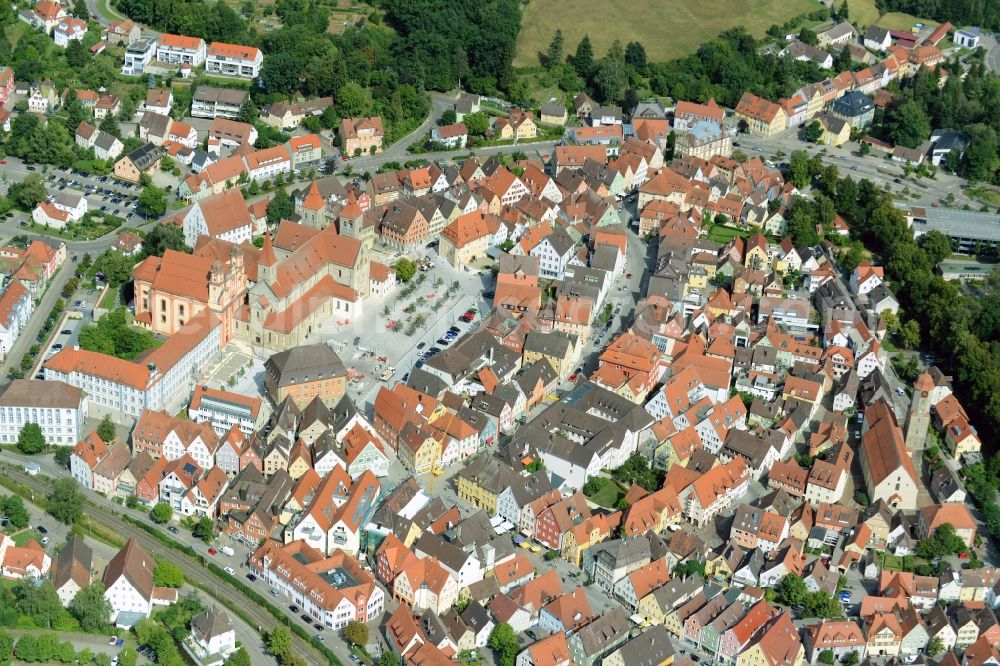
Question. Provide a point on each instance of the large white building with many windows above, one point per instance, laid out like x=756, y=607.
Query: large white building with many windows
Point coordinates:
x=334, y=589
x=233, y=60
x=161, y=380
x=58, y=408
x=225, y=409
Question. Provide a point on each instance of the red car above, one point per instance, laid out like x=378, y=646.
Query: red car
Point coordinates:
x=212, y=551
x=572, y=377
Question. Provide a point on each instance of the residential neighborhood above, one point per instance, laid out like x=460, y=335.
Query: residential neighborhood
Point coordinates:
x=330, y=335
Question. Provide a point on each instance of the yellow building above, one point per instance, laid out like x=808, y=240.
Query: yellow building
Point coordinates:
x=556, y=348
x=756, y=257
x=836, y=131
x=760, y=115
x=420, y=448
x=467, y=238
x=480, y=482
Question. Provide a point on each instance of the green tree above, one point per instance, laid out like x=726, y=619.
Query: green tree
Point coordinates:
x=29, y=192
x=240, y=658
x=842, y=62
x=388, y=659
x=91, y=608
x=66, y=501
x=163, y=237
x=351, y=99
x=279, y=642
x=249, y=113
x=503, y=641
x=16, y=512
x=554, y=54
x=405, y=269
x=909, y=125
x=609, y=80
x=73, y=107
x=168, y=574
x=153, y=201
x=39, y=602
x=449, y=117
x=204, y=529
x=161, y=513
x=356, y=633
x=280, y=207
x=106, y=429
x=477, y=123
x=936, y=245
x=116, y=267
x=635, y=57
x=110, y=125
x=826, y=657
x=77, y=56
x=799, y=170
x=935, y=647
x=31, y=440
x=6, y=647
x=792, y=590
x=583, y=59
x=851, y=658
x=807, y=36
x=813, y=132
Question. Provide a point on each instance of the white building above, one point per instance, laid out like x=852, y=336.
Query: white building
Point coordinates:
x=16, y=307
x=58, y=408
x=180, y=49
x=68, y=30
x=224, y=409
x=453, y=136
x=128, y=586
x=224, y=216
x=212, y=637
x=267, y=163
x=163, y=381
x=73, y=569
x=335, y=590
x=138, y=54
x=967, y=38
x=233, y=60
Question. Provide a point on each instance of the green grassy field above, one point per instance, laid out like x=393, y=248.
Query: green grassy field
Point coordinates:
x=862, y=12
x=667, y=28
x=723, y=234
x=901, y=21
x=609, y=494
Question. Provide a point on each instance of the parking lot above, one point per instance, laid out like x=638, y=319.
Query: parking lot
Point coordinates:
x=103, y=193
x=385, y=339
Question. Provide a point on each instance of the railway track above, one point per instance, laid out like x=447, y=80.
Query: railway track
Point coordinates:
x=194, y=571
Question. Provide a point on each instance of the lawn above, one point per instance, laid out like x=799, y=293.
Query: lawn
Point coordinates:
x=901, y=21
x=667, y=28
x=608, y=494
x=722, y=234
x=862, y=12
x=109, y=299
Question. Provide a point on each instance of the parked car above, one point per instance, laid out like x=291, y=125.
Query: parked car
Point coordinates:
x=212, y=551
x=231, y=571
x=293, y=608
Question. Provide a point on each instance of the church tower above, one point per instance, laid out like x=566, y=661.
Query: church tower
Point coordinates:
x=919, y=418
